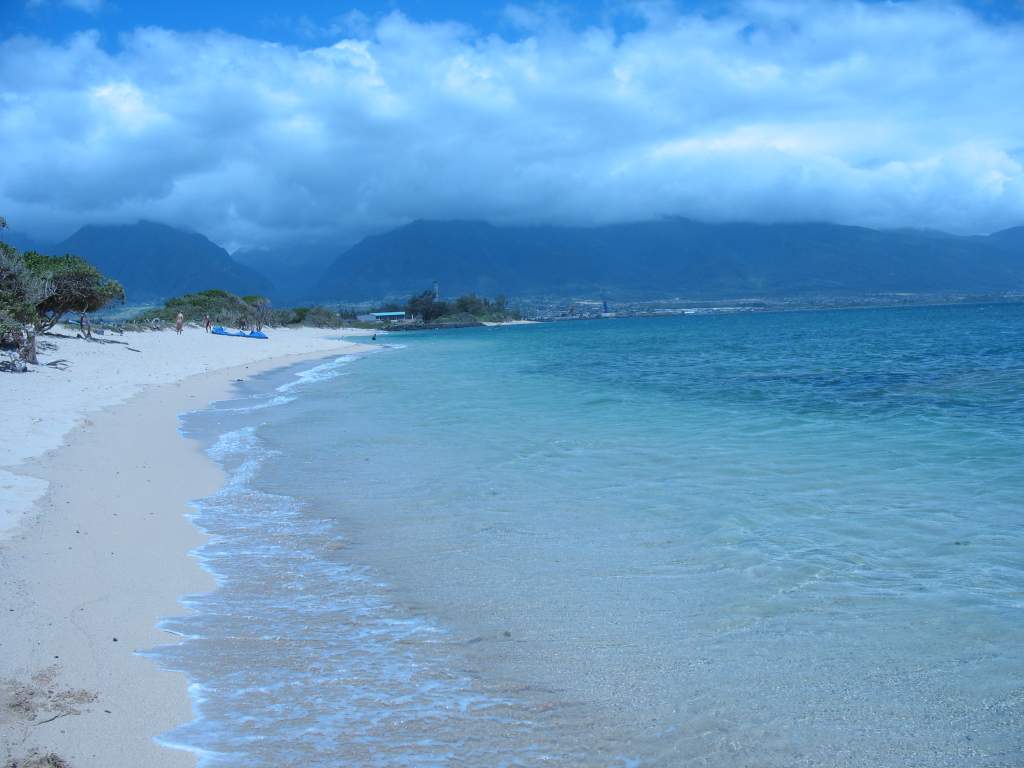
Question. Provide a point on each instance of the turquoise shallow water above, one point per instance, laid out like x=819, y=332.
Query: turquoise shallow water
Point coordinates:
x=772, y=540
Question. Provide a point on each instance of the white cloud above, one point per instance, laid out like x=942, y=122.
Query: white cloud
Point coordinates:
x=881, y=114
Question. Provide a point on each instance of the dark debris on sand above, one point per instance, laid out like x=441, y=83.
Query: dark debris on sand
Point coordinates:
x=26, y=705
x=37, y=760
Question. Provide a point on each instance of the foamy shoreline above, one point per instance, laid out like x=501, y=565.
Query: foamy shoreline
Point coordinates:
x=102, y=552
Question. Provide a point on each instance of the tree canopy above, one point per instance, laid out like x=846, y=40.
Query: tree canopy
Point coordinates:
x=467, y=308
x=426, y=306
x=73, y=285
x=20, y=291
x=20, y=288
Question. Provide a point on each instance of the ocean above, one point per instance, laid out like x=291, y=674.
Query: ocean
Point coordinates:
x=773, y=540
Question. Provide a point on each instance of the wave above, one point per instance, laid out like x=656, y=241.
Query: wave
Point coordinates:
x=298, y=656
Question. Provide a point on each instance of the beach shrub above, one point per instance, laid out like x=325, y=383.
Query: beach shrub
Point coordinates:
x=322, y=317
x=233, y=311
x=298, y=315
x=223, y=308
x=457, y=318
x=72, y=285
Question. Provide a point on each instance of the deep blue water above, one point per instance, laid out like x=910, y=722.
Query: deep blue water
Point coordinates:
x=768, y=540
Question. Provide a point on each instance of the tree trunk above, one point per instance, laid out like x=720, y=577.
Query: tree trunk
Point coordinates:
x=28, y=350
x=45, y=324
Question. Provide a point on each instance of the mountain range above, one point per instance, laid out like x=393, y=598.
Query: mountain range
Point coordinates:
x=293, y=272
x=674, y=257
x=154, y=261
x=666, y=258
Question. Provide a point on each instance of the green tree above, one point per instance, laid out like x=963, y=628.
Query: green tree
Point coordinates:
x=426, y=307
x=471, y=304
x=73, y=285
x=21, y=290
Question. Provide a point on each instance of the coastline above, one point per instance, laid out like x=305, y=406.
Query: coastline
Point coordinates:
x=103, y=555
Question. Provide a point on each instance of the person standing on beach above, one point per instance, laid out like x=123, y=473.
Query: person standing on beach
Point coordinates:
x=179, y=323
x=207, y=323
x=86, y=326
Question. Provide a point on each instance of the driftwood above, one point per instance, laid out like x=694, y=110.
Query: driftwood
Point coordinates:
x=12, y=363
x=18, y=361
x=59, y=714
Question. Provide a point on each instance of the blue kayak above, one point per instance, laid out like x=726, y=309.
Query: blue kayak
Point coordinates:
x=219, y=330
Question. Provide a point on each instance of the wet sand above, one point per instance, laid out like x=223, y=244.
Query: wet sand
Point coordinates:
x=89, y=571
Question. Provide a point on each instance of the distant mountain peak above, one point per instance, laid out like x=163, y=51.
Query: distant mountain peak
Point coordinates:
x=1012, y=232
x=155, y=261
x=672, y=256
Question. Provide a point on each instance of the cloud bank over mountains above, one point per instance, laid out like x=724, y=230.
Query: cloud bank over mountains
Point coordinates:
x=887, y=115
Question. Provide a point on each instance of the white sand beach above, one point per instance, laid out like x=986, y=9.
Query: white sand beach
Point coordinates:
x=96, y=482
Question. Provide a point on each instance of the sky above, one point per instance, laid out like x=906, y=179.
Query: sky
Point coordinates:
x=267, y=124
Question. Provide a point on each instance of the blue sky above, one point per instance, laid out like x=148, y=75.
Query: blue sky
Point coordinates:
x=267, y=123
x=296, y=23
x=306, y=22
